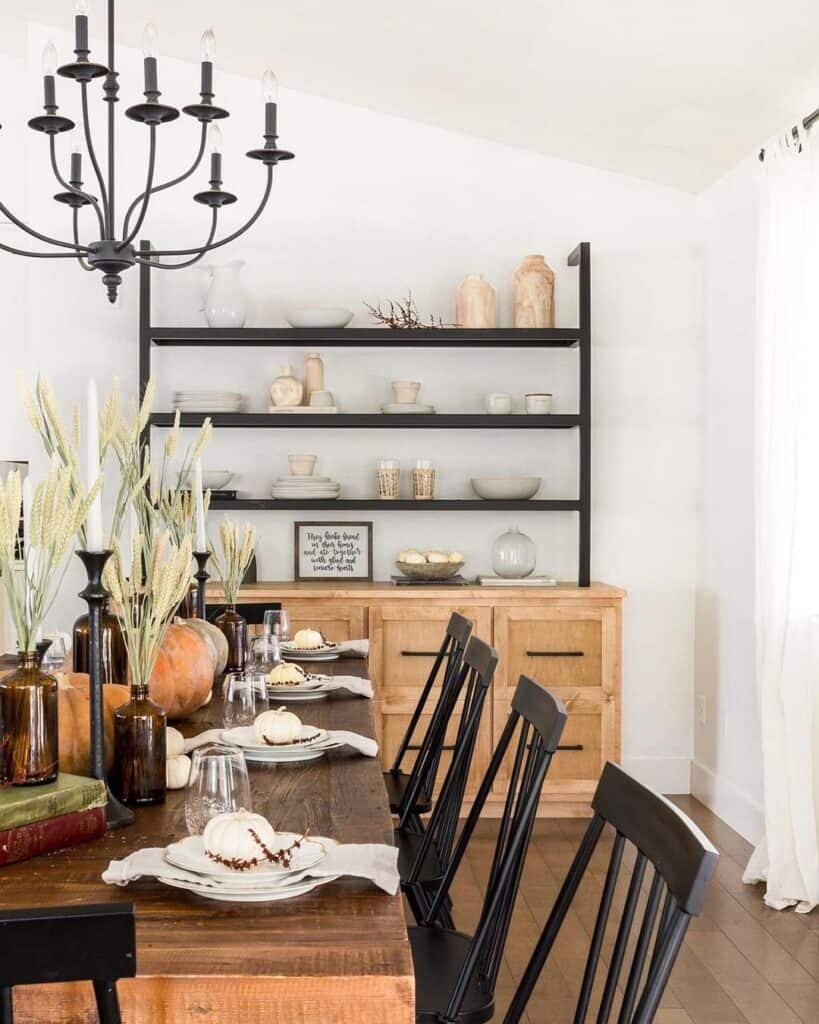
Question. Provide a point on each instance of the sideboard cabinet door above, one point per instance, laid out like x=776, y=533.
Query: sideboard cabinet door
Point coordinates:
x=336, y=619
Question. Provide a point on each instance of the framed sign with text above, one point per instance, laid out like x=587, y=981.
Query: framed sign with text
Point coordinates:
x=333, y=551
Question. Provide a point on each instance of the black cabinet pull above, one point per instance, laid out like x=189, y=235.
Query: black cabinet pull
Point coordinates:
x=570, y=746
x=419, y=654
x=554, y=654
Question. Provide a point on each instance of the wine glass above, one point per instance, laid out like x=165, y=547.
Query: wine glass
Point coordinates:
x=54, y=657
x=277, y=623
x=265, y=654
x=245, y=697
x=218, y=783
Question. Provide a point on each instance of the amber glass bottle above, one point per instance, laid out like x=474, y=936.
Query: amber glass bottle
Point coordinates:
x=28, y=724
x=138, y=773
x=114, y=655
x=235, y=629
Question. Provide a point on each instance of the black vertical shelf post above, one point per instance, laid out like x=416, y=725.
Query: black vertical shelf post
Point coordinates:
x=545, y=338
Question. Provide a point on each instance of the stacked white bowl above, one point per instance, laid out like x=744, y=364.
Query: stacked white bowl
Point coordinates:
x=302, y=485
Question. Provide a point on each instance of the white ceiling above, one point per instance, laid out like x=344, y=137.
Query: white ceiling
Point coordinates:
x=673, y=91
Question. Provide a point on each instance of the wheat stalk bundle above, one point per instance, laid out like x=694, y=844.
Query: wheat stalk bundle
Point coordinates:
x=234, y=558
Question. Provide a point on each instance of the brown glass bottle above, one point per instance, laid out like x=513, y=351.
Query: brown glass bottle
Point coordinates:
x=28, y=724
x=235, y=629
x=138, y=772
x=114, y=654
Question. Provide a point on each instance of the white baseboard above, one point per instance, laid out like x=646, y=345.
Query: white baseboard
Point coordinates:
x=663, y=774
x=728, y=802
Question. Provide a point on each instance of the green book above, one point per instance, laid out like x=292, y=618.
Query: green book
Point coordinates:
x=21, y=805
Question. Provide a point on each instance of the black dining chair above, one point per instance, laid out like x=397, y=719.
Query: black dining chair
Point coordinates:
x=684, y=861
x=455, y=974
x=424, y=855
x=410, y=793
x=94, y=943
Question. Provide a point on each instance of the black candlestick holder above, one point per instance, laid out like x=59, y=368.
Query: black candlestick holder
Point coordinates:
x=201, y=576
x=117, y=815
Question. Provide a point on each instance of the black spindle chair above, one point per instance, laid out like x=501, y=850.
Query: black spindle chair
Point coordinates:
x=684, y=862
x=455, y=974
x=94, y=943
x=410, y=793
x=424, y=855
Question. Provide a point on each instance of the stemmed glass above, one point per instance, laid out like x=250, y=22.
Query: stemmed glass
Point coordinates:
x=245, y=698
x=218, y=783
x=277, y=623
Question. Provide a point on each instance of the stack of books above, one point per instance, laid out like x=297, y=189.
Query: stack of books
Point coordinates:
x=41, y=819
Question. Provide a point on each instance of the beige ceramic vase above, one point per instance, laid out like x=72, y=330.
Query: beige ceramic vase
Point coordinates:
x=476, y=303
x=286, y=389
x=534, y=293
x=313, y=375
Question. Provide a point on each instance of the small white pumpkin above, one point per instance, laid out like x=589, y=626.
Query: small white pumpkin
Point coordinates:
x=174, y=742
x=407, y=554
x=456, y=556
x=228, y=838
x=287, y=674
x=177, y=769
x=278, y=725
x=436, y=557
x=308, y=639
x=412, y=558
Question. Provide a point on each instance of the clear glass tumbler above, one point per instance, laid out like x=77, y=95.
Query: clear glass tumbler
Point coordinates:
x=245, y=698
x=218, y=783
x=277, y=623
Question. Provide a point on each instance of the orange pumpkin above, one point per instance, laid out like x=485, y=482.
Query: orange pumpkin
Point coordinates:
x=183, y=675
x=74, y=720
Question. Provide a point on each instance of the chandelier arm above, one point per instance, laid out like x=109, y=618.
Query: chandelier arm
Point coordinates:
x=38, y=255
x=94, y=163
x=43, y=238
x=146, y=194
x=171, y=183
x=75, y=224
x=71, y=188
x=229, y=238
x=185, y=263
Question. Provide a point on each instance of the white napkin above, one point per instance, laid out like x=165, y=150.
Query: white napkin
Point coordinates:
x=208, y=736
x=373, y=861
x=353, y=684
x=356, y=648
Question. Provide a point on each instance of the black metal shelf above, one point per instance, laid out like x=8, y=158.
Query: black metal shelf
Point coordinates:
x=359, y=504
x=381, y=337
x=407, y=421
x=364, y=337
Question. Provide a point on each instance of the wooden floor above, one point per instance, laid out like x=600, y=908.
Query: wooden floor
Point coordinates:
x=741, y=963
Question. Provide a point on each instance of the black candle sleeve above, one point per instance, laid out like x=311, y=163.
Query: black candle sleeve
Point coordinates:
x=270, y=119
x=81, y=35
x=151, y=86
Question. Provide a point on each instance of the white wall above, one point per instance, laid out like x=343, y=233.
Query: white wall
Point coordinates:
x=726, y=771
x=374, y=205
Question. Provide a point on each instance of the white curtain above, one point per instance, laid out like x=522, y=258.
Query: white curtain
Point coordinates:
x=787, y=517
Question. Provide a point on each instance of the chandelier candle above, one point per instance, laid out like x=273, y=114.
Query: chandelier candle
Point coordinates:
x=109, y=248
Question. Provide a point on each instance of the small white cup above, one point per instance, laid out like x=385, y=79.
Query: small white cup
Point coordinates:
x=498, y=403
x=539, y=403
x=302, y=465
x=321, y=399
x=405, y=392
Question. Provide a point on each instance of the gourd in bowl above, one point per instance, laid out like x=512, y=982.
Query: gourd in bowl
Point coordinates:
x=429, y=565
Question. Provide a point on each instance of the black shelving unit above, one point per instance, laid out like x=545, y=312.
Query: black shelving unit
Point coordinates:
x=375, y=337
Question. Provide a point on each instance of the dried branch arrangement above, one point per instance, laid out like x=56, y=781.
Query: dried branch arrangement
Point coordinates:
x=404, y=315
x=234, y=558
x=58, y=512
x=147, y=592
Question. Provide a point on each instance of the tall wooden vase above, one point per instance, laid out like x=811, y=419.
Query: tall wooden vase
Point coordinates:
x=534, y=283
x=476, y=303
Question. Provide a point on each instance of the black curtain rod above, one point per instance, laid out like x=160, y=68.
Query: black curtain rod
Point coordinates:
x=806, y=123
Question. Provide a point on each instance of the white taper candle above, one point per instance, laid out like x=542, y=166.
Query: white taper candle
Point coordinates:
x=93, y=530
x=201, y=539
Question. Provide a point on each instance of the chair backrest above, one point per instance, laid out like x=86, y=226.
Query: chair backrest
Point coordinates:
x=683, y=861
x=449, y=657
x=94, y=943
x=539, y=717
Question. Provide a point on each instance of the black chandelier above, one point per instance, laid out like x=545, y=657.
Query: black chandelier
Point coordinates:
x=114, y=251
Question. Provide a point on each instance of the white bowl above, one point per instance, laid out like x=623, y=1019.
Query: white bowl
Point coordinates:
x=302, y=465
x=506, y=488
x=213, y=479
x=319, y=316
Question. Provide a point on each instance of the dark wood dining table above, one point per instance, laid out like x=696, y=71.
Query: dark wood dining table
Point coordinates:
x=338, y=954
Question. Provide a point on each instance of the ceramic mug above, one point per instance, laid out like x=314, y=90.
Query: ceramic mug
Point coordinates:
x=321, y=399
x=539, y=403
x=498, y=403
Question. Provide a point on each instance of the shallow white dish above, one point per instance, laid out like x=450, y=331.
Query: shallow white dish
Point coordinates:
x=319, y=316
x=396, y=408
x=310, y=655
x=245, y=736
x=296, y=696
x=189, y=853
x=506, y=488
x=224, y=895
x=213, y=479
x=290, y=648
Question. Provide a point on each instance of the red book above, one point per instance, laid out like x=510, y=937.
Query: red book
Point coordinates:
x=26, y=841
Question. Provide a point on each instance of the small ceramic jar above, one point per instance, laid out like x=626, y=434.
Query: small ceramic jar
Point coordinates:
x=405, y=392
x=538, y=403
x=498, y=403
x=302, y=465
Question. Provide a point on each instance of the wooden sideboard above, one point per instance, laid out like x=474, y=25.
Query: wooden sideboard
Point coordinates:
x=566, y=637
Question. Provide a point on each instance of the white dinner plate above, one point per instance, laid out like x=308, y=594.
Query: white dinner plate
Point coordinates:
x=294, y=694
x=285, y=892
x=310, y=655
x=245, y=736
x=189, y=853
x=274, y=756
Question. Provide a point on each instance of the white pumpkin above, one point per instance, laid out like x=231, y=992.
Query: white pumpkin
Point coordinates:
x=174, y=742
x=412, y=558
x=278, y=725
x=308, y=640
x=456, y=556
x=228, y=838
x=287, y=674
x=436, y=557
x=177, y=769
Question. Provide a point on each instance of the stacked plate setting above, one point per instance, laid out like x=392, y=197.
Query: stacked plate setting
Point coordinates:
x=261, y=884
x=306, y=487
x=207, y=401
x=312, y=744
x=327, y=652
x=310, y=689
